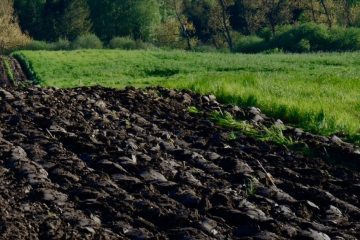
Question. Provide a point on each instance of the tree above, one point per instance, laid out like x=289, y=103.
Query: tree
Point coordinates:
x=349, y=11
x=198, y=13
x=75, y=19
x=327, y=12
x=29, y=13
x=52, y=20
x=220, y=20
x=277, y=12
x=135, y=18
x=176, y=7
x=11, y=35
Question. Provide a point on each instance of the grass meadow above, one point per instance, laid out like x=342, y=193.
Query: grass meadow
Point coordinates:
x=317, y=92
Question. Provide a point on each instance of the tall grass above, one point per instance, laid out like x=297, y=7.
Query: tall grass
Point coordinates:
x=318, y=92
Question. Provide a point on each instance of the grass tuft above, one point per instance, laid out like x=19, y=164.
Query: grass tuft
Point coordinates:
x=272, y=134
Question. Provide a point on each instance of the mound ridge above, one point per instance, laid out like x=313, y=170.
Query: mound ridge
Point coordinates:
x=97, y=163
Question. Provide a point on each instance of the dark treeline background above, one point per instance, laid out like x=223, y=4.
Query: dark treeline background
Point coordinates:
x=239, y=25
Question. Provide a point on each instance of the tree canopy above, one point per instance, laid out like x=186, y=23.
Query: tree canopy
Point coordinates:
x=208, y=21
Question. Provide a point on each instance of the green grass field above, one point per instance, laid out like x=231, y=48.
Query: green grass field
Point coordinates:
x=318, y=92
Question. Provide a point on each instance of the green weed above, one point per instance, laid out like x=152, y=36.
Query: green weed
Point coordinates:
x=272, y=134
x=194, y=111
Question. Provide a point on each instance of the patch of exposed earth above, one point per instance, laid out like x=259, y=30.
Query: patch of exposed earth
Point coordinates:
x=96, y=163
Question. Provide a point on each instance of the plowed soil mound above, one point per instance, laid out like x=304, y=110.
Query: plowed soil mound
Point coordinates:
x=95, y=163
x=18, y=76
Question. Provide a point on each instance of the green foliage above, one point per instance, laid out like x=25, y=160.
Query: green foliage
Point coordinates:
x=135, y=18
x=126, y=43
x=303, y=38
x=345, y=39
x=76, y=19
x=307, y=37
x=250, y=44
x=87, y=41
x=30, y=14
x=205, y=48
x=38, y=45
x=182, y=23
x=61, y=44
x=317, y=92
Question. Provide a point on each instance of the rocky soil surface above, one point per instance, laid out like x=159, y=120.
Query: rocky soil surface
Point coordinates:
x=95, y=163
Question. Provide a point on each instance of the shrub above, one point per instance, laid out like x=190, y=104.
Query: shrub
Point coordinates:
x=344, y=39
x=303, y=38
x=250, y=44
x=126, y=43
x=303, y=46
x=205, y=48
x=312, y=37
x=265, y=33
x=61, y=44
x=145, y=45
x=307, y=37
x=87, y=41
x=35, y=45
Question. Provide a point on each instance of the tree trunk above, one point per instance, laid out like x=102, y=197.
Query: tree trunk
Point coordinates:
x=347, y=8
x=183, y=27
x=323, y=4
x=313, y=10
x=225, y=25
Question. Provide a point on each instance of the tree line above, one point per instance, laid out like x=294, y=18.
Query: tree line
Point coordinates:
x=177, y=23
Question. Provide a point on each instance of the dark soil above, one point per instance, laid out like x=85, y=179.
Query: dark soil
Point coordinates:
x=19, y=76
x=4, y=79
x=95, y=163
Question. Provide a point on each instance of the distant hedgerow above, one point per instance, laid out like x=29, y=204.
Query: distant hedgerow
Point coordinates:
x=307, y=37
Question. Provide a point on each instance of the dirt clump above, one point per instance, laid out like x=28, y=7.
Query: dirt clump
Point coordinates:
x=97, y=163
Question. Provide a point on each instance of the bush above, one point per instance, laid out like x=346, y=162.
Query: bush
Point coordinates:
x=61, y=44
x=126, y=43
x=35, y=45
x=87, y=41
x=344, y=39
x=145, y=45
x=250, y=44
x=312, y=37
x=265, y=33
x=205, y=48
x=303, y=38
